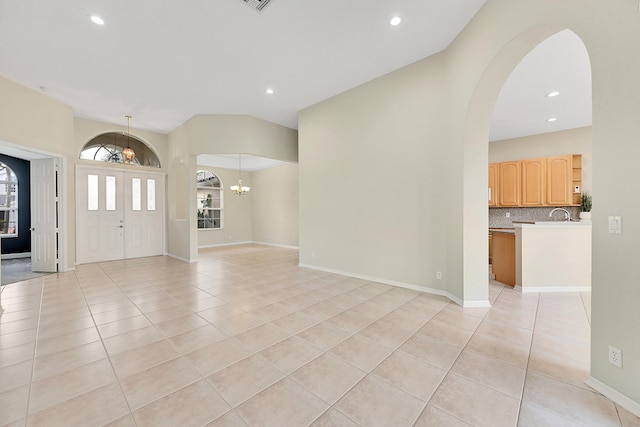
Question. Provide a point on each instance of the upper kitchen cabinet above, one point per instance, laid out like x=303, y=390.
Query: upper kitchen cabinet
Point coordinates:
x=534, y=182
x=493, y=185
x=559, y=181
x=509, y=183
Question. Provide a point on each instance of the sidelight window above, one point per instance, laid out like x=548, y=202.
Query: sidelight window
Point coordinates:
x=209, y=200
x=8, y=202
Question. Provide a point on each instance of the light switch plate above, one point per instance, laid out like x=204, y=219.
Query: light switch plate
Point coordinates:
x=615, y=225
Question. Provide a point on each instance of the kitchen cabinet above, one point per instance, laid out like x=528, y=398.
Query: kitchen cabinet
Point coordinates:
x=493, y=185
x=559, y=181
x=509, y=183
x=545, y=181
x=503, y=256
x=534, y=182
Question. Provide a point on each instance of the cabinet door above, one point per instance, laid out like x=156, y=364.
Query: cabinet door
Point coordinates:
x=534, y=182
x=509, y=183
x=559, y=176
x=493, y=185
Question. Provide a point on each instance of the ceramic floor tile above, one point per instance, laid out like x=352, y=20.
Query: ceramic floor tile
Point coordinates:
x=627, y=418
x=283, y=404
x=333, y=418
x=217, y=356
x=216, y=314
x=244, y=379
x=122, y=326
x=16, y=375
x=57, y=363
x=559, y=367
x=139, y=359
x=409, y=374
x=17, y=354
x=321, y=310
x=132, y=339
x=14, y=404
x=475, y=403
x=151, y=384
x=261, y=337
x=497, y=348
x=493, y=373
x=435, y=352
x=557, y=346
x=97, y=407
x=459, y=319
x=196, y=339
x=328, y=377
x=534, y=416
x=324, y=335
x=434, y=417
x=374, y=402
x=290, y=354
x=230, y=419
x=361, y=352
x=193, y=405
x=295, y=322
x=451, y=334
x=385, y=333
x=570, y=402
x=513, y=334
x=350, y=321
x=56, y=389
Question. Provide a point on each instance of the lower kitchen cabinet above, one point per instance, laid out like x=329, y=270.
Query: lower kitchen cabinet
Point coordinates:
x=503, y=256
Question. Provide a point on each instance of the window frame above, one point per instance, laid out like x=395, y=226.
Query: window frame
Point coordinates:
x=12, y=189
x=207, y=201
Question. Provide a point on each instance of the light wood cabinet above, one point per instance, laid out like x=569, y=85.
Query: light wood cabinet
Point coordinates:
x=545, y=181
x=509, y=183
x=493, y=185
x=504, y=257
x=534, y=182
x=559, y=181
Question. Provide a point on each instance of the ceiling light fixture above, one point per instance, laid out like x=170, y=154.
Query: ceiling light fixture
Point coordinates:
x=396, y=20
x=552, y=119
x=128, y=153
x=552, y=94
x=269, y=91
x=240, y=189
x=96, y=19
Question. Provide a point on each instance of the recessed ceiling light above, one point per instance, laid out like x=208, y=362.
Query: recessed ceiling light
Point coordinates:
x=269, y=91
x=396, y=20
x=552, y=119
x=96, y=19
x=552, y=94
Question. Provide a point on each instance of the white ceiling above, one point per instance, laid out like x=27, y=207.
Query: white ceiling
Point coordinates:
x=165, y=61
x=233, y=161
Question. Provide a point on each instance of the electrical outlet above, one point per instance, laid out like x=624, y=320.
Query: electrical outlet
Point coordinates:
x=439, y=275
x=615, y=357
x=508, y=214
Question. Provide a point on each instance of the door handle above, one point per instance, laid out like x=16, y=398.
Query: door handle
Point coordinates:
x=32, y=229
x=121, y=226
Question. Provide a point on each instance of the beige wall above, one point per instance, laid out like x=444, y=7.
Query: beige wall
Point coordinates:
x=573, y=141
x=275, y=205
x=413, y=144
x=237, y=227
x=216, y=134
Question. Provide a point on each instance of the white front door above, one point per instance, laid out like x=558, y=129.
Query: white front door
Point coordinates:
x=118, y=214
x=44, y=215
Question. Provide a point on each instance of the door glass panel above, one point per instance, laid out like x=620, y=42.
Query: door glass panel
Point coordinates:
x=111, y=193
x=151, y=194
x=92, y=192
x=136, y=202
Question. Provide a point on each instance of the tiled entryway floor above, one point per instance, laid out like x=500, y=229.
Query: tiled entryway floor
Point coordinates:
x=245, y=337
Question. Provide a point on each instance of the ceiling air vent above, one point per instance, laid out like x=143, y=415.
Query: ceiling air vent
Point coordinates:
x=257, y=4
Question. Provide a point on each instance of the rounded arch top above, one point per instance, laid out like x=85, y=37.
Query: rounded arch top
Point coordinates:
x=111, y=147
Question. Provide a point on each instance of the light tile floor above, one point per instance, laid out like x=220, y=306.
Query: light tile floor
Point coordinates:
x=244, y=338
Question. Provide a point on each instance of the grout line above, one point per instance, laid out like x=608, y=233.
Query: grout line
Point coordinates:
x=35, y=352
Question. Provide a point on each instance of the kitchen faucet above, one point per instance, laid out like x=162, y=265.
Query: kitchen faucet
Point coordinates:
x=567, y=215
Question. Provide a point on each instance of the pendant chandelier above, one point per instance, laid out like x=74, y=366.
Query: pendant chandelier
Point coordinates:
x=128, y=152
x=240, y=189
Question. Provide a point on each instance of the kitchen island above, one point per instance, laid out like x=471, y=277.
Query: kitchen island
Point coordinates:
x=553, y=256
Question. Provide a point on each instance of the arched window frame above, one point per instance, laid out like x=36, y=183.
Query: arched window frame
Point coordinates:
x=108, y=146
x=210, y=200
x=8, y=202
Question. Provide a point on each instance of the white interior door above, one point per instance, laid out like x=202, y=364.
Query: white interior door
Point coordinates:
x=118, y=214
x=44, y=215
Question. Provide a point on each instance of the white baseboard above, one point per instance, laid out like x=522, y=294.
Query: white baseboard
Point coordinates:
x=182, y=259
x=614, y=395
x=401, y=285
x=542, y=289
x=220, y=245
x=277, y=245
x=15, y=256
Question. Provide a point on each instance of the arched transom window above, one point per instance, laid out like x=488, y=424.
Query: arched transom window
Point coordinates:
x=8, y=201
x=108, y=147
x=209, y=199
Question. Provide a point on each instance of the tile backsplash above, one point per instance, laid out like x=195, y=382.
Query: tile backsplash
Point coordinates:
x=498, y=216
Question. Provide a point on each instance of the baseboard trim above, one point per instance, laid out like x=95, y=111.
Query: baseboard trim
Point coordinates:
x=550, y=289
x=16, y=256
x=277, y=245
x=181, y=258
x=614, y=395
x=221, y=245
x=400, y=285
